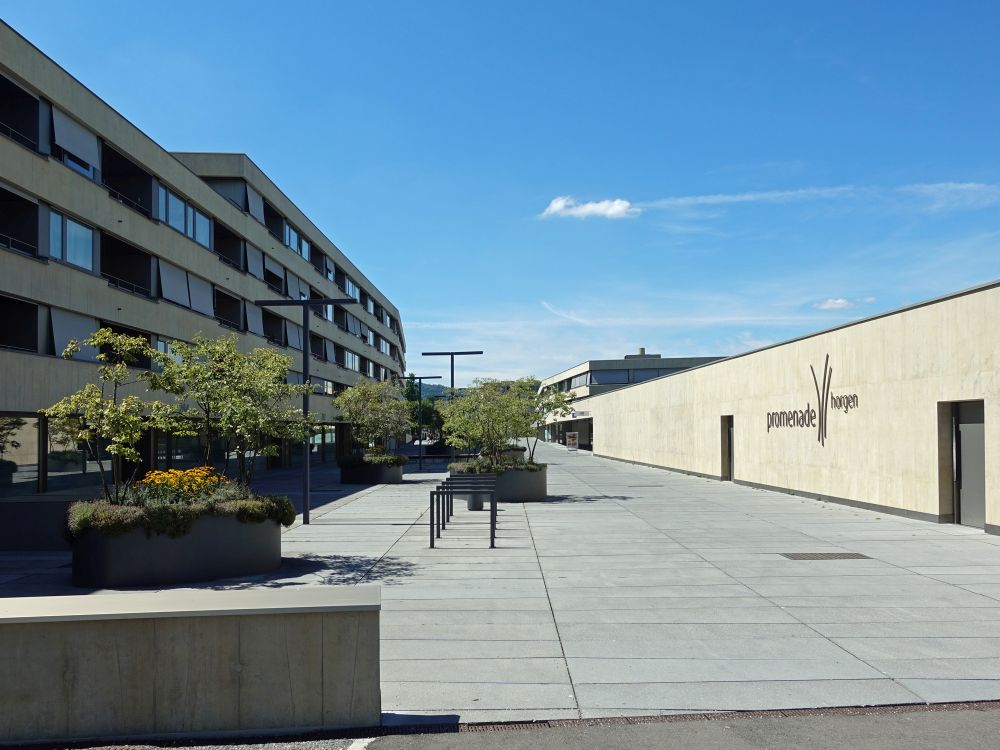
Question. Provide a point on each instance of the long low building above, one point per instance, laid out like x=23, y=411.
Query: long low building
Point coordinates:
x=896, y=412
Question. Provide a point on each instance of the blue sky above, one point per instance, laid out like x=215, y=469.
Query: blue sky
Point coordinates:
x=558, y=181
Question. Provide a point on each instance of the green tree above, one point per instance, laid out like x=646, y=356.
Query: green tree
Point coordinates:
x=225, y=394
x=106, y=416
x=377, y=411
x=494, y=413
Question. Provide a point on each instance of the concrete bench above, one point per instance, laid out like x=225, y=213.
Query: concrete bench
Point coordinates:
x=192, y=662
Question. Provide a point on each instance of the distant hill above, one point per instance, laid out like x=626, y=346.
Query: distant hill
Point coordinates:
x=436, y=390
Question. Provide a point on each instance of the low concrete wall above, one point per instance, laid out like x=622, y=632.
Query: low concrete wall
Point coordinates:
x=163, y=664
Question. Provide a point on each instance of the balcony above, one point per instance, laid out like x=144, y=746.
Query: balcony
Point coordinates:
x=18, y=114
x=126, y=181
x=229, y=310
x=228, y=246
x=18, y=223
x=274, y=222
x=19, y=331
x=126, y=267
x=274, y=327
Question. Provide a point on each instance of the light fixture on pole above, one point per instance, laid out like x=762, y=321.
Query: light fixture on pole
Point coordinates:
x=420, y=414
x=305, y=304
x=452, y=355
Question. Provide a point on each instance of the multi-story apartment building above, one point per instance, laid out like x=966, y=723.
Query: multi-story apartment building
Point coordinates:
x=100, y=226
x=596, y=376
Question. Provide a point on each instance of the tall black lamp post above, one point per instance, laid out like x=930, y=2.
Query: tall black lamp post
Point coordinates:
x=305, y=304
x=452, y=355
x=420, y=414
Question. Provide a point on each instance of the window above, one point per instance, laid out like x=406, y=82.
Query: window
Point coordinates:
x=609, y=377
x=580, y=380
x=304, y=248
x=383, y=346
x=352, y=361
x=299, y=244
x=351, y=289
x=71, y=241
x=77, y=164
x=370, y=305
x=183, y=217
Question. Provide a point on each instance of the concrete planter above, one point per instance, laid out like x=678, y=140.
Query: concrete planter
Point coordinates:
x=371, y=474
x=215, y=547
x=522, y=486
x=514, y=454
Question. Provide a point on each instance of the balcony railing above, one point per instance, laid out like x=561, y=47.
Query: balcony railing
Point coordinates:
x=126, y=201
x=20, y=246
x=18, y=136
x=127, y=286
x=226, y=323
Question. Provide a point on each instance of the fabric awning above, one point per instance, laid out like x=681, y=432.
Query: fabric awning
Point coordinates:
x=173, y=284
x=256, y=204
x=293, y=334
x=202, y=296
x=294, y=286
x=73, y=137
x=255, y=261
x=255, y=319
x=68, y=325
x=274, y=266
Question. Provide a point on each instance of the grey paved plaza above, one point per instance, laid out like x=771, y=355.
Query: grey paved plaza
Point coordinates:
x=637, y=591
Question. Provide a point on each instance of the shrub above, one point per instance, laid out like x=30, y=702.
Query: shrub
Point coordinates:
x=374, y=459
x=487, y=466
x=176, y=518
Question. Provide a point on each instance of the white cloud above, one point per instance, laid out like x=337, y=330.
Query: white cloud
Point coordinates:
x=834, y=303
x=761, y=196
x=566, y=206
x=955, y=196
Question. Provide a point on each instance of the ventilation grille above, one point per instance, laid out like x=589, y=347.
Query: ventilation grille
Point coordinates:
x=825, y=556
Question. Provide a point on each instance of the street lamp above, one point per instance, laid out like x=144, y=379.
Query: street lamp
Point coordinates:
x=305, y=304
x=420, y=414
x=452, y=355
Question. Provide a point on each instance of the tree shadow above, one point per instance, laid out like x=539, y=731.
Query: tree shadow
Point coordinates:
x=323, y=570
x=559, y=499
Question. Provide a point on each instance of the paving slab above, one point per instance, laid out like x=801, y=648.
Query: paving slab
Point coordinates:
x=635, y=591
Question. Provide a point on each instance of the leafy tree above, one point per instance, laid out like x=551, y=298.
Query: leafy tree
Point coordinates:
x=242, y=399
x=106, y=414
x=377, y=411
x=494, y=413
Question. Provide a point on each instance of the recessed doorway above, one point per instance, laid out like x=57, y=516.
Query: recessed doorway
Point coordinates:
x=728, y=462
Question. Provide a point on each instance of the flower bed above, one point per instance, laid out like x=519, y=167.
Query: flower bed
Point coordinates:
x=174, y=527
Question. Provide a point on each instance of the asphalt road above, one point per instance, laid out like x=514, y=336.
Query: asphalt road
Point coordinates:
x=930, y=730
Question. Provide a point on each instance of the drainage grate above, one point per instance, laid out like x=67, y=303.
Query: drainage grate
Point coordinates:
x=825, y=556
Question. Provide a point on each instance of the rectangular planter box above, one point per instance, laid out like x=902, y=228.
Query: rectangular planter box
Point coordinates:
x=215, y=547
x=523, y=486
x=371, y=474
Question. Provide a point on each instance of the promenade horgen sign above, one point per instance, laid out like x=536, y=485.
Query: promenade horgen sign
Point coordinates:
x=810, y=417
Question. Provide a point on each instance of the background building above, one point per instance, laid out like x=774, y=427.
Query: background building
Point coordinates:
x=596, y=376
x=100, y=226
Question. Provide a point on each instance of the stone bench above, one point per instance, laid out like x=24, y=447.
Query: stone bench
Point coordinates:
x=191, y=662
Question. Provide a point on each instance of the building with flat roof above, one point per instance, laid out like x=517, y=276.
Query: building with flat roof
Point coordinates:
x=102, y=227
x=897, y=413
x=596, y=376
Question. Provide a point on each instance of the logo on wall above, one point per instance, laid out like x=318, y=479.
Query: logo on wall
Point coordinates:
x=810, y=417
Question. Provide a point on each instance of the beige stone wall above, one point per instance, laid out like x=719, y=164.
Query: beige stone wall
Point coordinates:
x=885, y=452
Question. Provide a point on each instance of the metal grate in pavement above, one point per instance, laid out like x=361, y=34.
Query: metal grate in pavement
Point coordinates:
x=825, y=556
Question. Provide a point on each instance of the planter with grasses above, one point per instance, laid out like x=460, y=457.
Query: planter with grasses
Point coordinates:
x=372, y=468
x=177, y=527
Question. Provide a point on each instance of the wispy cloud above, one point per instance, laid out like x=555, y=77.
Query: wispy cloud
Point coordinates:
x=759, y=196
x=936, y=197
x=955, y=196
x=567, y=206
x=842, y=303
x=834, y=303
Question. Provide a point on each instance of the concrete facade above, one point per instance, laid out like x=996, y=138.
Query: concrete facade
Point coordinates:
x=887, y=440
x=189, y=663
x=72, y=167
